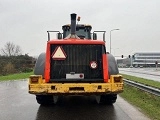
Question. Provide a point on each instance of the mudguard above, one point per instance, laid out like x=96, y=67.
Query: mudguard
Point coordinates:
x=40, y=65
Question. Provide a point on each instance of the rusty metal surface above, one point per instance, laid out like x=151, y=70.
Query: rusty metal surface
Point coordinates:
x=17, y=104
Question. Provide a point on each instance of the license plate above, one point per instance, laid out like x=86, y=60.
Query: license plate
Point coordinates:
x=75, y=76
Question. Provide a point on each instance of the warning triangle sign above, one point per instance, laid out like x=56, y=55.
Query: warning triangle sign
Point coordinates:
x=59, y=54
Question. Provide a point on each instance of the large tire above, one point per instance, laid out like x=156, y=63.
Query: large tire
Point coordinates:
x=108, y=99
x=40, y=65
x=45, y=99
x=112, y=65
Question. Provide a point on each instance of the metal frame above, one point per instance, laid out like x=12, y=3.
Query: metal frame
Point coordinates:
x=49, y=34
x=103, y=34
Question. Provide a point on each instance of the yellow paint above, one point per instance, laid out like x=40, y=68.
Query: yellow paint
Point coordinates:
x=76, y=88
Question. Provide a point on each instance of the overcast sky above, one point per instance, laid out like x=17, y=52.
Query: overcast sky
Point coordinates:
x=25, y=22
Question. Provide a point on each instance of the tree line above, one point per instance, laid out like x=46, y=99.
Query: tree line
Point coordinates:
x=12, y=60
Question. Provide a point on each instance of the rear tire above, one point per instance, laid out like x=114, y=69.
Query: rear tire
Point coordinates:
x=45, y=99
x=108, y=99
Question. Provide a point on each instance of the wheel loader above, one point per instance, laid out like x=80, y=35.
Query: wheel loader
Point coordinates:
x=75, y=63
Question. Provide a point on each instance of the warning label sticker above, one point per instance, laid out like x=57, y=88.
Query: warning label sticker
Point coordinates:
x=59, y=54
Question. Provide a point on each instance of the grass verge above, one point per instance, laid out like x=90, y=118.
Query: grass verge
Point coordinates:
x=142, y=80
x=16, y=76
x=148, y=104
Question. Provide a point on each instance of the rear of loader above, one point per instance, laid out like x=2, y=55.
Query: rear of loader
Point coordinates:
x=76, y=64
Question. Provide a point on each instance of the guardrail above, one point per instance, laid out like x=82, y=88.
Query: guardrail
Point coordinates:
x=143, y=87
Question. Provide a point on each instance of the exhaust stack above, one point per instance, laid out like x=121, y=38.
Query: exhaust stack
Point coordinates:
x=73, y=23
x=73, y=27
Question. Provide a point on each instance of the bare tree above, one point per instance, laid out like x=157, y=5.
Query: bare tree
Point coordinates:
x=10, y=49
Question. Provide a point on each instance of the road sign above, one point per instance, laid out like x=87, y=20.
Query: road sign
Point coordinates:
x=59, y=53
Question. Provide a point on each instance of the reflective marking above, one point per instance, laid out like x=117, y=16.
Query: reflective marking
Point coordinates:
x=59, y=54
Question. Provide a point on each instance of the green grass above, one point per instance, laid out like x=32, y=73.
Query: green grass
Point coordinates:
x=16, y=76
x=149, y=104
x=142, y=80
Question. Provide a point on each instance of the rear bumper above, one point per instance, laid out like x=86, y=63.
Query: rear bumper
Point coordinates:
x=75, y=88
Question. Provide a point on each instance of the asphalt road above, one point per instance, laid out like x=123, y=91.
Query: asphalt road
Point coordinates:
x=147, y=73
x=17, y=104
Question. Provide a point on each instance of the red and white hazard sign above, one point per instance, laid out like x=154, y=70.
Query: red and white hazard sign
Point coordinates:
x=59, y=54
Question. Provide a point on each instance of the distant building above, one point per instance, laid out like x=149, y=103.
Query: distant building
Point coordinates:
x=145, y=59
x=141, y=59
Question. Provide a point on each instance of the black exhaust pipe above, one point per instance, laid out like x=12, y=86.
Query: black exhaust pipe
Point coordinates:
x=73, y=23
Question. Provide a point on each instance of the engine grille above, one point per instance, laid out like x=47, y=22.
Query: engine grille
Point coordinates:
x=78, y=60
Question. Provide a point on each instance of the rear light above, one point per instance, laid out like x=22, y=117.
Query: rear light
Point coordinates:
x=93, y=64
x=118, y=79
x=34, y=79
x=81, y=75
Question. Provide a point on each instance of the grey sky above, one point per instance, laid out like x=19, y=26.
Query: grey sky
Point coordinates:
x=25, y=22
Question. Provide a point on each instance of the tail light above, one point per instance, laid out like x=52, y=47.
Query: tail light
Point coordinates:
x=81, y=75
x=118, y=79
x=35, y=79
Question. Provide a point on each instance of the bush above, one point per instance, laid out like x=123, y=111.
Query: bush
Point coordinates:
x=16, y=64
x=8, y=69
x=27, y=70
